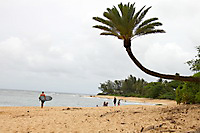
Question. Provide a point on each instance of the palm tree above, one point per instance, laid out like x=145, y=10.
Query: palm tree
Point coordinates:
x=129, y=24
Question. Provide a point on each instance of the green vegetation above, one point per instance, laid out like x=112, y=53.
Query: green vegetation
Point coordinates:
x=195, y=63
x=140, y=88
x=182, y=92
x=188, y=93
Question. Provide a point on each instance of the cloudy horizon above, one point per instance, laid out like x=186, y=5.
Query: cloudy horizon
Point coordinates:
x=51, y=45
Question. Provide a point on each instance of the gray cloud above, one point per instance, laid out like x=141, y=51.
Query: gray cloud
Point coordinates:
x=51, y=45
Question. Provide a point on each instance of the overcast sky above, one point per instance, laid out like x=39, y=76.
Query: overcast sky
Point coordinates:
x=50, y=45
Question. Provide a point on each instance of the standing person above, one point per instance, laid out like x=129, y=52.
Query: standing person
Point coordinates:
x=104, y=103
x=114, y=101
x=118, y=102
x=42, y=100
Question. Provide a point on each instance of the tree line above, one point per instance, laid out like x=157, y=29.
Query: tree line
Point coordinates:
x=132, y=86
x=182, y=92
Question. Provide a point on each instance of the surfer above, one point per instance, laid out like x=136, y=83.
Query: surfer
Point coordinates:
x=42, y=101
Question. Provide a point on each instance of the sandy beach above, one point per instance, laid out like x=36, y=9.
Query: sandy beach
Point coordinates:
x=128, y=119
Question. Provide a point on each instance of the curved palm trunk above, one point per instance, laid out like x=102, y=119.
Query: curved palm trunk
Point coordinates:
x=127, y=45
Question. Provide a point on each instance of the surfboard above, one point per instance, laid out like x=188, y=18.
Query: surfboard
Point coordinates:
x=48, y=98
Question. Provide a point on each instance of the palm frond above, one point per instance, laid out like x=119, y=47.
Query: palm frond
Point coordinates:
x=147, y=22
x=106, y=22
x=148, y=27
x=115, y=18
x=113, y=15
x=102, y=28
x=121, y=6
x=142, y=15
x=151, y=32
x=109, y=30
x=134, y=20
x=126, y=23
x=116, y=13
x=111, y=34
x=127, y=12
x=131, y=12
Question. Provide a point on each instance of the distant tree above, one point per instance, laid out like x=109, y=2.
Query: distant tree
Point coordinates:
x=118, y=85
x=195, y=63
x=139, y=87
x=153, y=89
x=133, y=86
x=127, y=24
x=127, y=86
x=161, y=90
x=189, y=92
x=107, y=87
x=197, y=97
x=179, y=94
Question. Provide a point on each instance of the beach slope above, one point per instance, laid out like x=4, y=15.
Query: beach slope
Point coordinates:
x=129, y=119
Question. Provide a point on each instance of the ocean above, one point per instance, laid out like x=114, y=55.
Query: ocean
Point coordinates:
x=30, y=98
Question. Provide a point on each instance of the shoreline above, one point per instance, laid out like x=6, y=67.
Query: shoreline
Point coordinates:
x=141, y=100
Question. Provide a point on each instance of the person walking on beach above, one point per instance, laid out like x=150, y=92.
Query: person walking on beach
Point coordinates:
x=42, y=100
x=114, y=101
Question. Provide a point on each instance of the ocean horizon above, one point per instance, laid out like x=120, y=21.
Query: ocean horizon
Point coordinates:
x=12, y=97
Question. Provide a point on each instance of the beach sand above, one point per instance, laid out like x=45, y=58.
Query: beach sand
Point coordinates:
x=128, y=119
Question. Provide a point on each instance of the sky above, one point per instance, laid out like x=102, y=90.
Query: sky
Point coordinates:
x=50, y=45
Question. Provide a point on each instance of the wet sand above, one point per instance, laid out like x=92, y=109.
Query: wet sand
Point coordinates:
x=141, y=100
